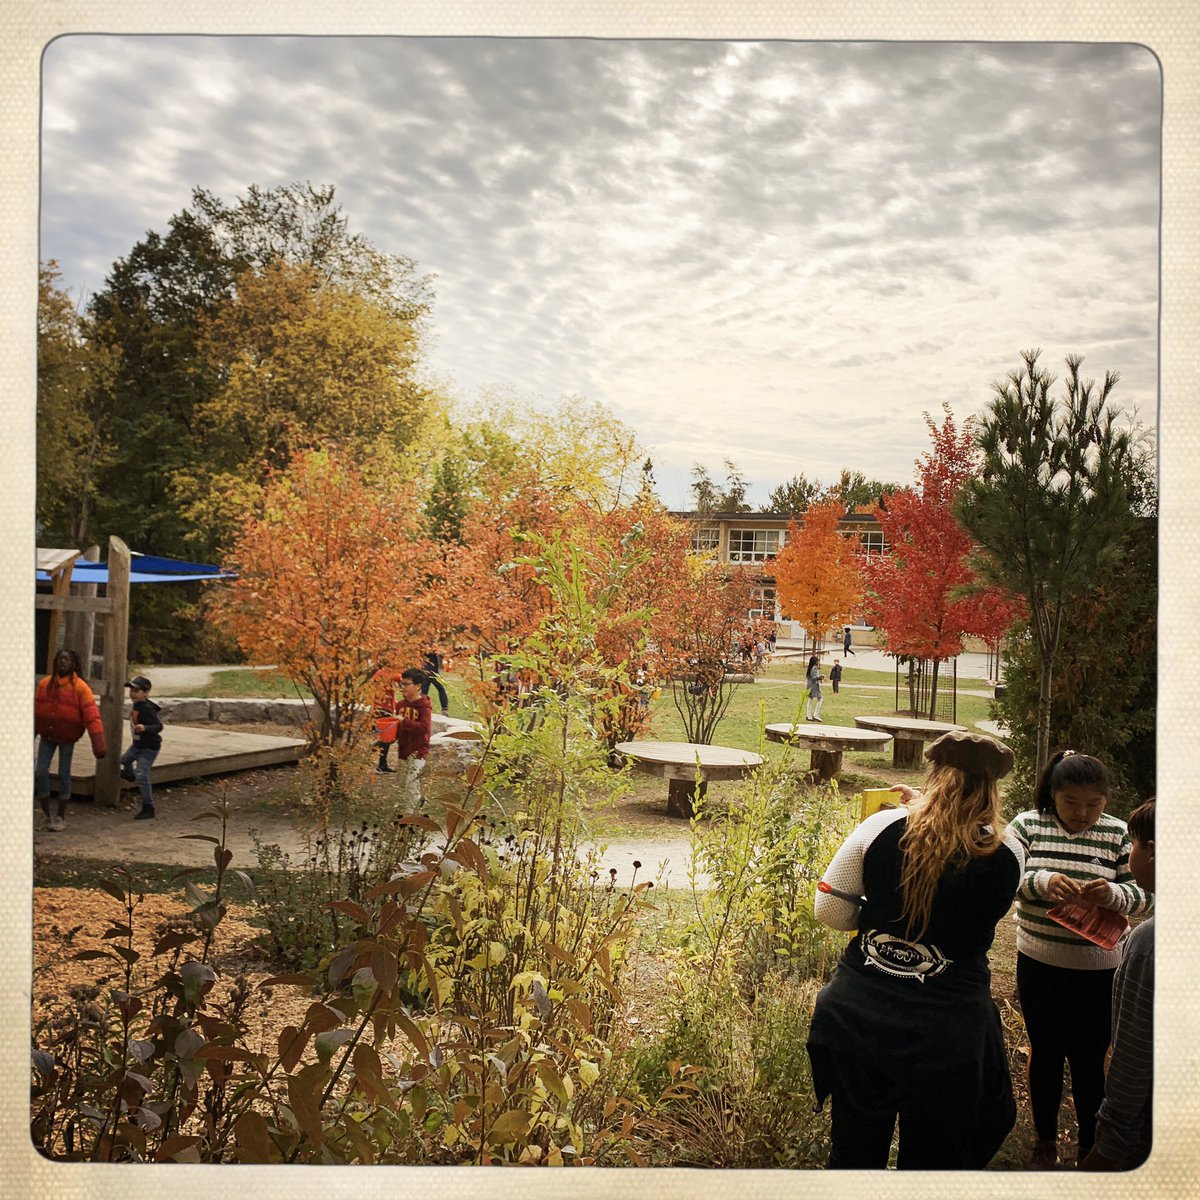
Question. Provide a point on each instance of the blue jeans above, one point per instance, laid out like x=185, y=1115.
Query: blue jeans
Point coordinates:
x=41, y=776
x=142, y=760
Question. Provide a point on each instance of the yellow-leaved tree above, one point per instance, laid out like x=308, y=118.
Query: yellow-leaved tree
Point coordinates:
x=298, y=360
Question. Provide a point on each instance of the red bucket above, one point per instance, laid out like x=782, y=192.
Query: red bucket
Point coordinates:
x=387, y=728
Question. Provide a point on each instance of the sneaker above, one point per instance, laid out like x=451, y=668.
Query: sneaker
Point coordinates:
x=144, y=814
x=1044, y=1156
x=55, y=824
x=819, y=720
x=445, y=712
x=384, y=769
x=128, y=775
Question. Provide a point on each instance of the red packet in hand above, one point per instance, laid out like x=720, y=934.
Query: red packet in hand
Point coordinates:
x=1101, y=926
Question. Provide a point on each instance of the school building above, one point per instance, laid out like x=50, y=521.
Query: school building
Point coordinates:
x=755, y=538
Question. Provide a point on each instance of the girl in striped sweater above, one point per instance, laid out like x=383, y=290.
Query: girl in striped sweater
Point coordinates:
x=1074, y=851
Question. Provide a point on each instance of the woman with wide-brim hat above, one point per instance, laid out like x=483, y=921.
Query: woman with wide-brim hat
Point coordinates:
x=907, y=1029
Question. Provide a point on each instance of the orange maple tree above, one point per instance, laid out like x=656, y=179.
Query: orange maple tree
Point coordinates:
x=922, y=595
x=818, y=574
x=333, y=579
x=489, y=600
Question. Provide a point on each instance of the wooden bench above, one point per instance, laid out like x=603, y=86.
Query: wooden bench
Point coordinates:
x=680, y=762
x=827, y=743
x=909, y=736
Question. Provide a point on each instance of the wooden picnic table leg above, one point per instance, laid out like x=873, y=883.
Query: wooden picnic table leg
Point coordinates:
x=679, y=796
x=906, y=753
x=827, y=764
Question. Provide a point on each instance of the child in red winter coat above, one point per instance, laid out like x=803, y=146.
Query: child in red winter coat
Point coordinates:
x=63, y=709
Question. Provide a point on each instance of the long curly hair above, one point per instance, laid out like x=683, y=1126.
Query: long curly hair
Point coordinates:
x=956, y=819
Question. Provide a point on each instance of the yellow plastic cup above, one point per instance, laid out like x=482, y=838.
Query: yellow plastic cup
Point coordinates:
x=875, y=799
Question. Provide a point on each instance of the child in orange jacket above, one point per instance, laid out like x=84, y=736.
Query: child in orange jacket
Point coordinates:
x=63, y=710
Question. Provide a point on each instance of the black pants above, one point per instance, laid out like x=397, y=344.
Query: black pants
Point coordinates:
x=861, y=1140
x=434, y=681
x=1068, y=1017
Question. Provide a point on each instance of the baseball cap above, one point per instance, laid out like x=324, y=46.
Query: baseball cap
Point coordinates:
x=140, y=682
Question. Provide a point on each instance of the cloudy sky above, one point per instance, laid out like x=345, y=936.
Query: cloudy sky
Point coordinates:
x=776, y=252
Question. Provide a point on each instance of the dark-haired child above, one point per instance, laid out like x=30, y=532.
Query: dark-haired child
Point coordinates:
x=1074, y=851
x=146, y=725
x=1124, y=1123
x=415, y=714
x=63, y=710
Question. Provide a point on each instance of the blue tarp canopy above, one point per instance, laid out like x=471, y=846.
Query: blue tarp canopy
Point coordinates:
x=144, y=568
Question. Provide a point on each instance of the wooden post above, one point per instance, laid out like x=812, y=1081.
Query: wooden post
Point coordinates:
x=60, y=585
x=116, y=635
x=81, y=625
x=680, y=795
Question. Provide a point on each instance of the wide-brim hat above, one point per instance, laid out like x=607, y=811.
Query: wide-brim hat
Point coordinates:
x=974, y=753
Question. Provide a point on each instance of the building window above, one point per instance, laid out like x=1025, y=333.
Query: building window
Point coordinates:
x=764, y=599
x=754, y=545
x=706, y=539
x=872, y=542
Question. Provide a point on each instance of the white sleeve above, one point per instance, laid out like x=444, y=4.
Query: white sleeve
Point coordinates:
x=845, y=872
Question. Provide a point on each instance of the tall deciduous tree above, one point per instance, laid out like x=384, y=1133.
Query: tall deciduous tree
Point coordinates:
x=710, y=498
x=917, y=593
x=851, y=489
x=74, y=418
x=333, y=577
x=297, y=361
x=818, y=575
x=1051, y=507
x=792, y=497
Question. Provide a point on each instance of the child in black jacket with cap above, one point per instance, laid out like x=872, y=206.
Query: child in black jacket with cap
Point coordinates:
x=147, y=741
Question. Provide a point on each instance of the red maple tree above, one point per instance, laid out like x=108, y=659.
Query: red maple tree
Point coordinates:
x=922, y=595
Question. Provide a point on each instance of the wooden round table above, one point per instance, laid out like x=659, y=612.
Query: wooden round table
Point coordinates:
x=910, y=735
x=680, y=762
x=827, y=743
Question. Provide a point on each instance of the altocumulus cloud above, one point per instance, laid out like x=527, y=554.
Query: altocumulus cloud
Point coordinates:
x=777, y=252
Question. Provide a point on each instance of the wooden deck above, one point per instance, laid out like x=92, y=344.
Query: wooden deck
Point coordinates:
x=189, y=752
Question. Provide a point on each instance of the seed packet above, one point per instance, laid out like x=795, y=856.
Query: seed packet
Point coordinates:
x=1101, y=926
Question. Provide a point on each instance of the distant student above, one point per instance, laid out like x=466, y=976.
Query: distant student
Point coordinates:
x=812, y=679
x=415, y=714
x=146, y=725
x=835, y=675
x=432, y=667
x=846, y=641
x=1065, y=982
x=1124, y=1122
x=63, y=709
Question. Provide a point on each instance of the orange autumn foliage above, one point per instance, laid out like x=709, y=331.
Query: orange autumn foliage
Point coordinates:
x=333, y=579
x=818, y=575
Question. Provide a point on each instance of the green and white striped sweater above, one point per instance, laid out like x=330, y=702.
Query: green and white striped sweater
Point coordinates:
x=1099, y=852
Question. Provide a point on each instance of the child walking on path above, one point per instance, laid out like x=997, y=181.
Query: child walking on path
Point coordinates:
x=415, y=715
x=812, y=678
x=147, y=742
x=1124, y=1125
x=63, y=708
x=835, y=675
x=1074, y=852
